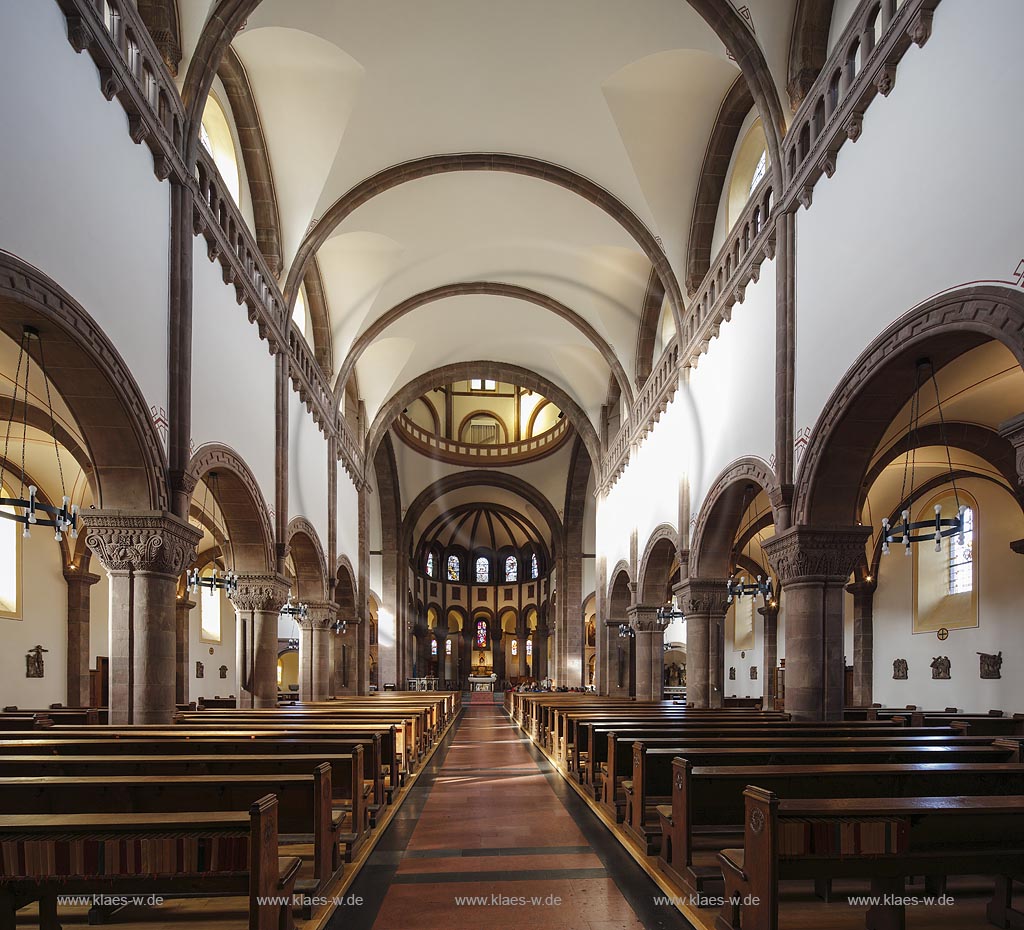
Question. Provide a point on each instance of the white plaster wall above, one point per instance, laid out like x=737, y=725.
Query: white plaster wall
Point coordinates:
x=923, y=201
x=348, y=520
x=80, y=200
x=232, y=375
x=732, y=390
x=743, y=685
x=211, y=684
x=999, y=569
x=841, y=13
x=44, y=621
x=307, y=468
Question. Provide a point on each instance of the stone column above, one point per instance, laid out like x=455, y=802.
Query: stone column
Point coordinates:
x=79, y=597
x=498, y=655
x=258, y=601
x=770, y=612
x=315, y=651
x=863, y=641
x=650, y=652
x=813, y=565
x=181, y=678
x=144, y=553
x=704, y=602
x=540, y=653
x=442, y=657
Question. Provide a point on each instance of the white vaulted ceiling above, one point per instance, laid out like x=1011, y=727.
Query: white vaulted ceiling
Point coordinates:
x=623, y=94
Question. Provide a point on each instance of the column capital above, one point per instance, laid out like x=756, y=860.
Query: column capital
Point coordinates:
x=141, y=540
x=703, y=596
x=769, y=610
x=322, y=615
x=86, y=578
x=1013, y=430
x=644, y=618
x=259, y=591
x=862, y=588
x=806, y=553
x=1018, y=546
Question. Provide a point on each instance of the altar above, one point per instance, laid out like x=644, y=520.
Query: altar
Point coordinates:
x=482, y=682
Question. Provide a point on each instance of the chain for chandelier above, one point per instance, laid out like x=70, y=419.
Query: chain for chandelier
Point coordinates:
x=63, y=519
x=939, y=528
x=743, y=588
x=297, y=611
x=226, y=582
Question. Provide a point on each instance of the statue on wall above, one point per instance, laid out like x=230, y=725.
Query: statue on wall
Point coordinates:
x=199, y=669
x=991, y=665
x=732, y=673
x=900, y=669
x=223, y=671
x=34, y=662
x=753, y=673
x=940, y=667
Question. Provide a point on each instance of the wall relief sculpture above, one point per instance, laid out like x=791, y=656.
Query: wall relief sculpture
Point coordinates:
x=900, y=669
x=753, y=672
x=223, y=671
x=34, y=662
x=991, y=665
x=940, y=667
x=732, y=673
x=199, y=670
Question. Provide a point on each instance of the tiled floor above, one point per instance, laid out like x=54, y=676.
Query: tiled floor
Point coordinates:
x=488, y=821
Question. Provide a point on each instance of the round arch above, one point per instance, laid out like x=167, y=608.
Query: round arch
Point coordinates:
x=854, y=419
x=721, y=512
x=128, y=456
x=656, y=564
x=308, y=557
x=345, y=588
x=238, y=495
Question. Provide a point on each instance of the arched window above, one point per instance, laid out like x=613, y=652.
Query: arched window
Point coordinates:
x=10, y=563
x=430, y=564
x=454, y=570
x=946, y=582
x=483, y=570
x=511, y=568
x=300, y=317
x=215, y=136
x=534, y=566
x=447, y=647
x=514, y=647
x=433, y=647
x=481, y=634
x=529, y=648
x=209, y=613
x=759, y=170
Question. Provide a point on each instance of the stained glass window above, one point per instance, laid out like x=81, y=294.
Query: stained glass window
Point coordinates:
x=529, y=648
x=515, y=647
x=481, y=634
x=511, y=568
x=430, y=564
x=759, y=171
x=453, y=568
x=447, y=647
x=961, y=558
x=483, y=570
x=433, y=647
x=534, y=566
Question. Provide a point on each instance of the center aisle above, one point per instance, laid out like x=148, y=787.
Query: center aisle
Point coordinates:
x=490, y=836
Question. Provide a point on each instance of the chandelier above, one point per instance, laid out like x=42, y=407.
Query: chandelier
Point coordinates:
x=297, y=612
x=226, y=582
x=626, y=631
x=940, y=528
x=63, y=519
x=340, y=626
x=739, y=587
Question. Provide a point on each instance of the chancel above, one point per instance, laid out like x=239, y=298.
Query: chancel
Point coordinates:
x=511, y=464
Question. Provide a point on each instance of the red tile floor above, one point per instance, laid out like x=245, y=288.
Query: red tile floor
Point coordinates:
x=491, y=837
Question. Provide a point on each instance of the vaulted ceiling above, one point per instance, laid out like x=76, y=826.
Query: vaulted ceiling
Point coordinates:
x=607, y=107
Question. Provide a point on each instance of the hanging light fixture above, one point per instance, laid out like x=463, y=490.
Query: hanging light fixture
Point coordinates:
x=226, y=582
x=340, y=626
x=940, y=528
x=740, y=587
x=63, y=519
x=669, y=613
x=626, y=631
x=297, y=612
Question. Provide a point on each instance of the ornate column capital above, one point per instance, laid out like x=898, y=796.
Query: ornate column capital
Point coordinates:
x=322, y=615
x=769, y=610
x=644, y=618
x=805, y=553
x=266, y=592
x=1013, y=430
x=702, y=596
x=83, y=578
x=141, y=541
x=862, y=588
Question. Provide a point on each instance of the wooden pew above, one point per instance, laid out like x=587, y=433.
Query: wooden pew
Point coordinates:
x=975, y=724
x=217, y=853
x=304, y=802
x=884, y=839
x=653, y=770
x=707, y=802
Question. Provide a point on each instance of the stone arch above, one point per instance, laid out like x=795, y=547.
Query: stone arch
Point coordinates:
x=508, y=620
x=241, y=501
x=460, y=612
x=345, y=588
x=621, y=578
x=308, y=558
x=808, y=48
x=721, y=512
x=656, y=564
x=524, y=165
x=499, y=371
x=128, y=456
x=854, y=419
x=492, y=288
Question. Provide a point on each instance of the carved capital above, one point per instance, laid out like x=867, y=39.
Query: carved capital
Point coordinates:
x=267, y=592
x=644, y=618
x=322, y=615
x=140, y=541
x=703, y=596
x=804, y=553
x=1013, y=431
